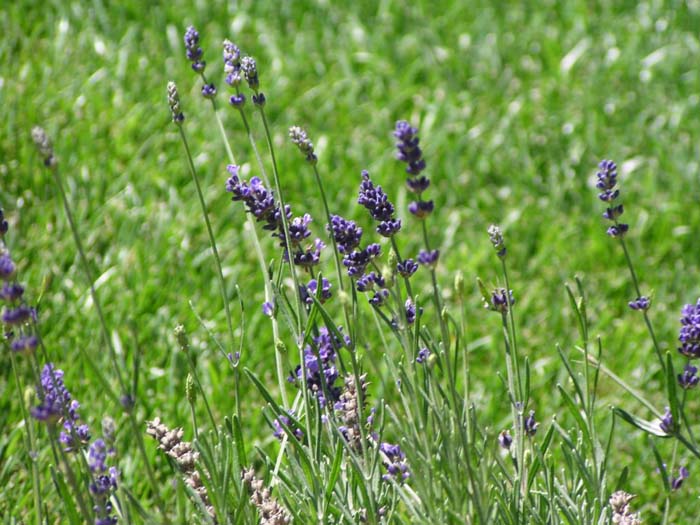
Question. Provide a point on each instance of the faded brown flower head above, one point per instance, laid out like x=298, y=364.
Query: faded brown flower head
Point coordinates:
x=271, y=512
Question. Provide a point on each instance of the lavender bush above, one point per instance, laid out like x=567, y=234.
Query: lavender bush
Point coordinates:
x=346, y=444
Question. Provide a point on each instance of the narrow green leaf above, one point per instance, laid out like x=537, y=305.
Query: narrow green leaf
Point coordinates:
x=641, y=424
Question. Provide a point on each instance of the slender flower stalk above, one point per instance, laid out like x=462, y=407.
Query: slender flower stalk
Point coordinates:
x=178, y=118
x=44, y=145
x=609, y=193
x=232, y=69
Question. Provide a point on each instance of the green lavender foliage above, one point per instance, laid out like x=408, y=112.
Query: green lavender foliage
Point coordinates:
x=515, y=108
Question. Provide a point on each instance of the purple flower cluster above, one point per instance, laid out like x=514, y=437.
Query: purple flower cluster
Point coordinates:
x=429, y=258
x=104, y=482
x=16, y=314
x=689, y=377
x=380, y=208
x=310, y=290
x=193, y=51
x=530, y=424
x=394, y=461
x=408, y=151
x=321, y=372
x=57, y=403
x=677, y=481
x=232, y=63
x=666, y=424
x=640, y=303
x=407, y=267
x=346, y=233
x=299, y=137
x=423, y=355
x=499, y=301
x=505, y=440
x=357, y=261
x=690, y=331
x=284, y=422
x=607, y=180
x=260, y=202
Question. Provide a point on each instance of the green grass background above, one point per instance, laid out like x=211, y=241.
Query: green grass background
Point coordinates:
x=516, y=103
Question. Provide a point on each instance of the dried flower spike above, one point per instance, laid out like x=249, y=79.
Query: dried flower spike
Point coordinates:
x=301, y=139
x=271, y=512
x=45, y=147
x=174, y=103
x=170, y=441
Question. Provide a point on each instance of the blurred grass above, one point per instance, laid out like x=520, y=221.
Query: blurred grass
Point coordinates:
x=516, y=103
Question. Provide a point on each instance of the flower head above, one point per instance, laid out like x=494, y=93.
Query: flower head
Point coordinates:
x=301, y=139
x=193, y=51
x=283, y=422
x=250, y=72
x=496, y=238
x=232, y=63
x=374, y=199
x=429, y=258
x=407, y=148
x=346, y=233
x=530, y=425
x=45, y=147
x=505, y=439
x=689, y=377
x=607, y=180
x=640, y=303
x=690, y=331
x=395, y=462
x=666, y=424
x=407, y=267
x=677, y=481
x=423, y=355
x=174, y=103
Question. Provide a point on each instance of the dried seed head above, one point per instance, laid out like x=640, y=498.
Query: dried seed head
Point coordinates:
x=174, y=103
x=44, y=145
x=271, y=512
x=170, y=441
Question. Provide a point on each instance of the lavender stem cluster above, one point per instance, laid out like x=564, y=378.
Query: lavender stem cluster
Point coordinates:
x=607, y=182
x=57, y=404
x=16, y=315
x=104, y=482
x=261, y=203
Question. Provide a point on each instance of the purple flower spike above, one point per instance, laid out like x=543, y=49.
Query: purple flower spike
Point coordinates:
x=666, y=424
x=380, y=208
x=407, y=147
x=209, y=91
x=193, y=51
x=407, y=268
x=410, y=311
x=232, y=64
x=682, y=476
x=505, y=439
x=423, y=355
x=690, y=331
x=689, y=378
x=640, y=303
x=346, y=233
x=395, y=463
x=4, y=226
x=530, y=425
x=282, y=422
x=311, y=290
x=421, y=209
x=429, y=258
x=7, y=267
x=268, y=309
x=618, y=231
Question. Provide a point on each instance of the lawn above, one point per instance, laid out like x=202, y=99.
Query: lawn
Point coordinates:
x=516, y=103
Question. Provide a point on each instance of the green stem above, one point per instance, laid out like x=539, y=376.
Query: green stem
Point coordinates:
x=31, y=448
x=105, y=331
x=647, y=321
x=212, y=240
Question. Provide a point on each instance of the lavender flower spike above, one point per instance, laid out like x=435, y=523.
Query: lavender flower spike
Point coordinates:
x=193, y=51
x=45, y=147
x=683, y=474
x=530, y=425
x=174, y=103
x=690, y=331
x=496, y=238
x=640, y=303
x=689, y=377
x=666, y=424
x=380, y=208
x=299, y=137
x=607, y=180
x=232, y=64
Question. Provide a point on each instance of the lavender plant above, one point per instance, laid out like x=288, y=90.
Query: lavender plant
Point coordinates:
x=374, y=418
